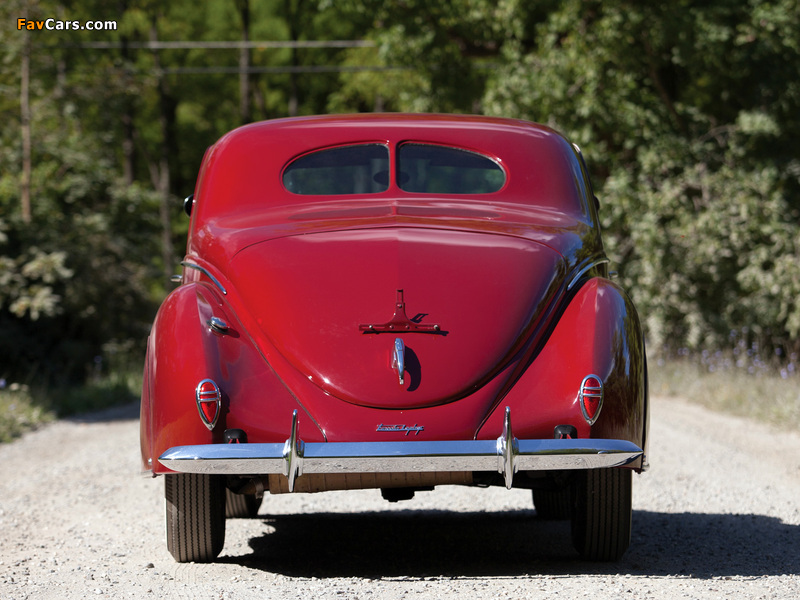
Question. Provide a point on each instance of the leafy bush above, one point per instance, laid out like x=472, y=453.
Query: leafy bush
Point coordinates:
x=689, y=120
x=79, y=279
x=18, y=412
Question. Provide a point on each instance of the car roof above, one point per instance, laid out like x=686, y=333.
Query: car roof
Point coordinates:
x=242, y=172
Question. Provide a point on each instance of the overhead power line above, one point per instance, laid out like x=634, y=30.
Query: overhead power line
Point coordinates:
x=280, y=70
x=276, y=44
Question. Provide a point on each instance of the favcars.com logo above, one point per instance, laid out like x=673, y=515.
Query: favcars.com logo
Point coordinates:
x=57, y=25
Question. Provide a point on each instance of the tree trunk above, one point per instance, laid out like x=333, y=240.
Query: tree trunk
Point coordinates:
x=25, y=114
x=160, y=172
x=128, y=148
x=244, y=63
x=292, y=16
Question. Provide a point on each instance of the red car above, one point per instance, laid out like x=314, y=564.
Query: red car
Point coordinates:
x=395, y=302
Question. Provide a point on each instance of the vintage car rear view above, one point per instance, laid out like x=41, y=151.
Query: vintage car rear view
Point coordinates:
x=395, y=302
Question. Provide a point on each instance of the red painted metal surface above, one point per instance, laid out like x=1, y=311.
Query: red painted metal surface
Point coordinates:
x=300, y=279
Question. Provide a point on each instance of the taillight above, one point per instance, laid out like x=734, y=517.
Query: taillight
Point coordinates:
x=591, y=398
x=209, y=402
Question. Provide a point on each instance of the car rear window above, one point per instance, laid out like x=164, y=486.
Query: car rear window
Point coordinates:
x=425, y=168
x=421, y=168
x=359, y=169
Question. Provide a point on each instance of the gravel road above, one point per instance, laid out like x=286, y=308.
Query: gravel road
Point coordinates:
x=717, y=516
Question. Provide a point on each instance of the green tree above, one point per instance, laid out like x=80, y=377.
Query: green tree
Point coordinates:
x=687, y=112
x=439, y=54
x=76, y=276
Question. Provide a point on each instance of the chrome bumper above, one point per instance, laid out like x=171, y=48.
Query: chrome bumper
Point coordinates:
x=506, y=455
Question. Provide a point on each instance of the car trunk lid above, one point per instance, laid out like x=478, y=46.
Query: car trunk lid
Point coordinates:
x=335, y=303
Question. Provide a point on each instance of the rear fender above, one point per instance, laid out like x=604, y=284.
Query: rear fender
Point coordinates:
x=182, y=351
x=598, y=334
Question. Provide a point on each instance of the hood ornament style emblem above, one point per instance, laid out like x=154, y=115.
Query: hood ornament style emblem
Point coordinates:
x=400, y=323
x=399, y=359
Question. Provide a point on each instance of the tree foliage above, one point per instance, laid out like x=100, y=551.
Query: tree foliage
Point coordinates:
x=687, y=111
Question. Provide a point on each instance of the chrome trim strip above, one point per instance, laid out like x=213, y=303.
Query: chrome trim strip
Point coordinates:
x=506, y=455
x=579, y=274
x=205, y=272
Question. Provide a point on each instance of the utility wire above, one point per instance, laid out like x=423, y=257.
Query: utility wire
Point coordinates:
x=278, y=70
x=159, y=45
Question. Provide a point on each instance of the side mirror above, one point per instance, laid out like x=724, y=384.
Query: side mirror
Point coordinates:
x=187, y=204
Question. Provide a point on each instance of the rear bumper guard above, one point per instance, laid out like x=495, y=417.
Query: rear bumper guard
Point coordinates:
x=506, y=455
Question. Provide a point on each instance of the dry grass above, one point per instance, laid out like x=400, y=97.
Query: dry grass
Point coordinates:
x=19, y=413
x=769, y=394
x=23, y=408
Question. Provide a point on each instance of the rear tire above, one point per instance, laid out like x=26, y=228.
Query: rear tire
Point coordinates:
x=601, y=524
x=241, y=506
x=553, y=504
x=195, y=516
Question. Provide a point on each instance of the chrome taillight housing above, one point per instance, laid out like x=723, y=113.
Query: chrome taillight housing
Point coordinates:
x=209, y=402
x=590, y=397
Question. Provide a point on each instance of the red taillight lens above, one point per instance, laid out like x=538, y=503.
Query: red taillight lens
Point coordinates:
x=591, y=398
x=209, y=402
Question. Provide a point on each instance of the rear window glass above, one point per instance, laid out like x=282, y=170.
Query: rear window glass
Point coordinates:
x=421, y=168
x=424, y=168
x=361, y=169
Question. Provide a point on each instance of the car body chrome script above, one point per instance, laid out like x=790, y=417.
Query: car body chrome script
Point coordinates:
x=401, y=428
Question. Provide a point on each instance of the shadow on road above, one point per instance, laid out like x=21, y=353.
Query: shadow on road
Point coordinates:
x=416, y=544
